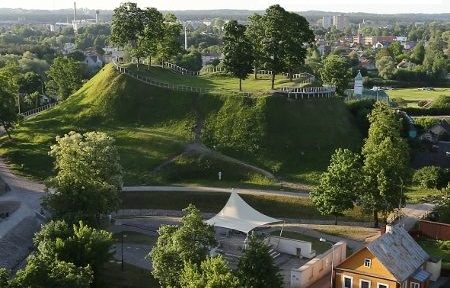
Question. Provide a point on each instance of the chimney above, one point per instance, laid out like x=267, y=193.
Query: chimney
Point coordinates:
x=74, y=11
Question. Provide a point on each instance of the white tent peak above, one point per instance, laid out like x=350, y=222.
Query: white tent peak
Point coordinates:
x=240, y=216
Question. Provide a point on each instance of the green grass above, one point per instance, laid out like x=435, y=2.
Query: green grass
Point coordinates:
x=317, y=245
x=437, y=248
x=417, y=194
x=293, y=139
x=212, y=202
x=412, y=96
x=111, y=276
x=218, y=82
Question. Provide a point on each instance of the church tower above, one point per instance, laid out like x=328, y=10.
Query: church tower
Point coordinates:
x=358, y=88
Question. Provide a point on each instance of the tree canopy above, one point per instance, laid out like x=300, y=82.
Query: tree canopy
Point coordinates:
x=65, y=75
x=336, y=71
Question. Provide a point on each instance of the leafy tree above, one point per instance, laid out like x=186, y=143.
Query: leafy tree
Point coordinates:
x=188, y=243
x=386, y=67
x=255, y=34
x=29, y=83
x=237, y=50
x=336, y=71
x=127, y=24
x=385, y=162
x=153, y=32
x=256, y=267
x=170, y=45
x=397, y=50
x=274, y=37
x=65, y=75
x=4, y=278
x=339, y=185
x=78, y=244
x=298, y=37
x=42, y=271
x=314, y=60
x=432, y=177
x=213, y=273
x=88, y=179
x=418, y=53
x=8, y=115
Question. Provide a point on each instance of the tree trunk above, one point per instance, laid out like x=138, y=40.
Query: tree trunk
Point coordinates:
x=256, y=72
x=290, y=75
x=335, y=219
x=375, y=219
x=6, y=130
x=240, y=84
x=273, y=80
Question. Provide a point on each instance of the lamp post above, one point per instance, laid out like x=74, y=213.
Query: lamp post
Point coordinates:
x=123, y=236
x=332, y=258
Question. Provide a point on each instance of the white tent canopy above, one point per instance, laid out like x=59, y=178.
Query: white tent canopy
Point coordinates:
x=240, y=216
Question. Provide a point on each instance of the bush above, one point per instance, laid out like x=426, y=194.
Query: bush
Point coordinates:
x=425, y=122
x=442, y=102
x=431, y=177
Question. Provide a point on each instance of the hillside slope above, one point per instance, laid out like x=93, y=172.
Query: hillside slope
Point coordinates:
x=152, y=125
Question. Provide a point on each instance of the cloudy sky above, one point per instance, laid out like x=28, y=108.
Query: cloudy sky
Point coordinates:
x=371, y=6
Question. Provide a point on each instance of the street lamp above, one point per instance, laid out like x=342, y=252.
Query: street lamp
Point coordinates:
x=123, y=236
x=332, y=258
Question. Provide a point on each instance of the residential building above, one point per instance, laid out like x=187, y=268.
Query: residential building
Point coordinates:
x=93, y=61
x=340, y=21
x=394, y=260
x=327, y=21
x=373, y=40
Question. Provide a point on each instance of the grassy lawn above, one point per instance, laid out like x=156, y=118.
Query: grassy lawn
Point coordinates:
x=417, y=194
x=275, y=206
x=350, y=232
x=437, y=248
x=317, y=245
x=413, y=95
x=111, y=276
x=215, y=81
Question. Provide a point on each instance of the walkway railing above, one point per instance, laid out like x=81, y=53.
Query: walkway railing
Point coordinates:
x=174, y=87
x=32, y=112
x=178, y=69
x=309, y=92
x=305, y=77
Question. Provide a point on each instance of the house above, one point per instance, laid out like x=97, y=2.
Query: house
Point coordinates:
x=93, y=61
x=437, y=132
x=394, y=260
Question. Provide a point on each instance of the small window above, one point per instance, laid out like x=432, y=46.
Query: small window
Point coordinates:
x=383, y=285
x=364, y=284
x=367, y=263
x=347, y=282
x=415, y=285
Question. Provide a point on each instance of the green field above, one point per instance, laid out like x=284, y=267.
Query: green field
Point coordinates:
x=412, y=96
x=213, y=202
x=218, y=82
x=292, y=139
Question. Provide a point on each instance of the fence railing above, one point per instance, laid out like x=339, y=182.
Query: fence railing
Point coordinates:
x=37, y=110
x=178, y=69
x=306, y=77
x=308, y=92
x=213, y=70
x=175, y=87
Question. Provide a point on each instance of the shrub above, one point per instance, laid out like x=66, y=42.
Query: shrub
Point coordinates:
x=425, y=122
x=422, y=103
x=431, y=177
x=442, y=102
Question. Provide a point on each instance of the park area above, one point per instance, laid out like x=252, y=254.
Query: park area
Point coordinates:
x=411, y=97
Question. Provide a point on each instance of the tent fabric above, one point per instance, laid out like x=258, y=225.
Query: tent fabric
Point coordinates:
x=240, y=216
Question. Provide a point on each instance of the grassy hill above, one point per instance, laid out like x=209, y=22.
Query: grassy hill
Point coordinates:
x=152, y=125
x=412, y=96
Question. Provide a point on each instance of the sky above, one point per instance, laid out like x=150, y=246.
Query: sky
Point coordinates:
x=370, y=6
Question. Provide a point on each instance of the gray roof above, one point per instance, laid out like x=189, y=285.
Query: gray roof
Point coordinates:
x=399, y=253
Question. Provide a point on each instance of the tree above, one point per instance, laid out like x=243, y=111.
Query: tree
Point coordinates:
x=4, y=278
x=29, y=83
x=65, y=76
x=339, y=185
x=298, y=37
x=397, y=50
x=386, y=67
x=78, y=244
x=8, y=115
x=189, y=242
x=213, y=273
x=255, y=34
x=272, y=46
x=88, y=179
x=385, y=166
x=42, y=271
x=418, y=53
x=432, y=177
x=256, y=267
x=237, y=50
x=127, y=25
x=170, y=45
x=336, y=71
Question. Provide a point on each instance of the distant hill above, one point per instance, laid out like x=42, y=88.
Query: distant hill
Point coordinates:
x=292, y=139
x=45, y=16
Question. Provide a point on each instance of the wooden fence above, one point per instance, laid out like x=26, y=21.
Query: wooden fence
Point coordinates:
x=33, y=112
x=435, y=230
x=309, y=92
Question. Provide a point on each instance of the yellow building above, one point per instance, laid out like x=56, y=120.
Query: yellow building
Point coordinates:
x=394, y=260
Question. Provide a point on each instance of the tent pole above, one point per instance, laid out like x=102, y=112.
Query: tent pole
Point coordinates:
x=281, y=232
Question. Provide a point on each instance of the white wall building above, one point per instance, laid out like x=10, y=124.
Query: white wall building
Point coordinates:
x=327, y=21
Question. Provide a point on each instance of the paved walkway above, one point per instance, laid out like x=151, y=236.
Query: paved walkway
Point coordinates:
x=212, y=189
x=134, y=254
x=413, y=213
